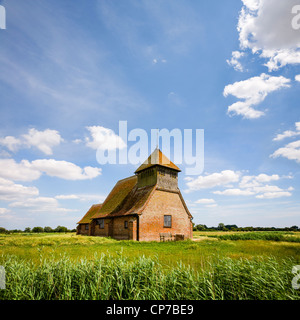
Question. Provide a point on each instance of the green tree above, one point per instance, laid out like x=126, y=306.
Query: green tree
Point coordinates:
x=221, y=226
x=37, y=229
x=3, y=230
x=48, y=229
x=61, y=229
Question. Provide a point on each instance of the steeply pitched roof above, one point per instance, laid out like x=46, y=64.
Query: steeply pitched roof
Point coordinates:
x=116, y=196
x=92, y=211
x=125, y=199
x=134, y=202
x=157, y=158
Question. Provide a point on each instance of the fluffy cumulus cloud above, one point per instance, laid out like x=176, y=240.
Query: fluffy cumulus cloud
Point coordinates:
x=65, y=170
x=98, y=198
x=42, y=140
x=208, y=203
x=39, y=204
x=235, y=192
x=11, y=143
x=104, y=139
x=10, y=191
x=22, y=171
x=291, y=150
x=212, y=180
x=234, y=61
x=288, y=133
x=258, y=186
x=4, y=211
x=252, y=92
x=266, y=28
x=29, y=171
x=205, y=201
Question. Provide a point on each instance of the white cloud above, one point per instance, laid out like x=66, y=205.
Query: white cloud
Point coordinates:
x=98, y=198
x=266, y=178
x=4, y=154
x=297, y=77
x=288, y=133
x=9, y=191
x=212, y=180
x=65, y=170
x=235, y=192
x=291, y=151
x=77, y=141
x=35, y=202
x=104, y=139
x=11, y=143
x=211, y=205
x=4, y=210
x=265, y=27
x=43, y=140
x=247, y=186
x=40, y=204
x=22, y=171
x=266, y=188
x=272, y=195
x=156, y=60
x=253, y=91
x=67, y=197
x=256, y=185
x=234, y=61
x=29, y=171
x=205, y=201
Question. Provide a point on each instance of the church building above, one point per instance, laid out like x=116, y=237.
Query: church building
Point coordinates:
x=145, y=207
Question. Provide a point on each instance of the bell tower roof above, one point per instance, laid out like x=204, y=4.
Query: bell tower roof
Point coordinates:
x=157, y=158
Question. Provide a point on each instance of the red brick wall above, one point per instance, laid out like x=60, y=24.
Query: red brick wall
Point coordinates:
x=151, y=222
x=132, y=226
x=101, y=232
x=81, y=229
x=119, y=231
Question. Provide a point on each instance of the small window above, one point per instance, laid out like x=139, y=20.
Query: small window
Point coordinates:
x=167, y=221
x=126, y=224
x=101, y=223
x=86, y=227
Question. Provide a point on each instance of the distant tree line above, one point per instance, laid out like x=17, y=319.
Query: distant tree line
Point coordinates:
x=38, y=230
x=234, y=227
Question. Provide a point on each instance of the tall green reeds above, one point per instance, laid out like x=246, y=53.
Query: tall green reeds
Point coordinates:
x=107, y=277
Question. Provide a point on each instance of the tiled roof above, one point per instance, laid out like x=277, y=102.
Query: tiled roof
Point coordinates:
x=157, y=158
x=116, y=196
x=134, y=202
x=125, y=199
x=92, y=211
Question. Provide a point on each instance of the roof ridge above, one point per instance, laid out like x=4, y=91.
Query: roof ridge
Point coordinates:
x=157, y=158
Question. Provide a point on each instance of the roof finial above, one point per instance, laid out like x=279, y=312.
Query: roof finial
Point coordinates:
x=157, y=139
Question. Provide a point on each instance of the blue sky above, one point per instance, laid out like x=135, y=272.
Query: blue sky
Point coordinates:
x=71, y=70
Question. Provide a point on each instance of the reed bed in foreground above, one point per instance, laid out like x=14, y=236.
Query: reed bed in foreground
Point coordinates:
x=106, y=277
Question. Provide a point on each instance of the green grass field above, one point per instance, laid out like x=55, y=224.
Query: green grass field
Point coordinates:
x=217, y=265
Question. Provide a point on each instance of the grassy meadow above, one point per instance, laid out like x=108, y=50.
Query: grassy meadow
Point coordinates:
x=216, y=265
